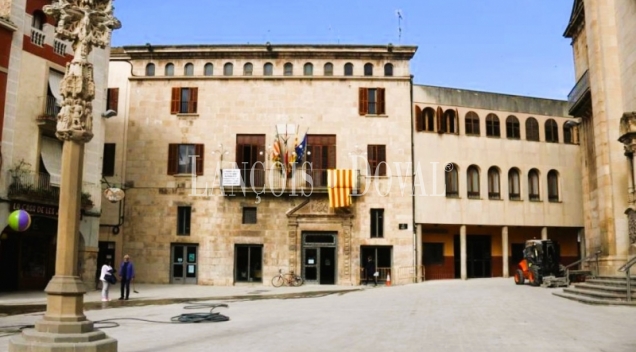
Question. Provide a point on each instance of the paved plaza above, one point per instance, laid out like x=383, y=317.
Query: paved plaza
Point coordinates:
x=474, y=315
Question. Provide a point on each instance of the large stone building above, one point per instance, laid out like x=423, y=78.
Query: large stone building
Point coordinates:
x=604, y=101
x=205, y=109
x=32, y=64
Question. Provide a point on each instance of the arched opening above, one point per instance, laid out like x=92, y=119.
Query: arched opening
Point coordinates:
x=268, y=69
x=38, y=20
x=388, y=70
x=150, y=69
x=188, y=70
x=492, y=126
x=208, y=69
x=328, y=69
x=452, y=181
x=169, y=70
x=348, y=69
x=368, y=69
x=553, y=186
x=473, y=182
x=308, y=69
x=248, y=68
x=472, y=124
x=551, y=131
x=512, y=127
x=514, y=184
x=493, y=183
x=288, y=69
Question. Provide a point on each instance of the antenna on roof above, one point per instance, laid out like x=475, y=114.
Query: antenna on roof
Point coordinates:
x=399, y=15
x=337, y=37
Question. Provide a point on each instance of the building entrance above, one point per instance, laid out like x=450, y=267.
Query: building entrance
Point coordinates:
x=106, y=254
x=478, y=256
x=184, y=264
x=319, y=257
x=381, y=256
x=248, y=263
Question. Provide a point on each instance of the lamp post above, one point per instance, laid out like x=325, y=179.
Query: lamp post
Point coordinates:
x=86, y=24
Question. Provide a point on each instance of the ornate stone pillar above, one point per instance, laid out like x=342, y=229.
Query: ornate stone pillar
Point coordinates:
x=628, y=138
x=504, y=250
x=86, y=24
x=462, y=252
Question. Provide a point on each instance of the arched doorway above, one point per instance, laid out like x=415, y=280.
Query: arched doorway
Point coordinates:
x=27, y=259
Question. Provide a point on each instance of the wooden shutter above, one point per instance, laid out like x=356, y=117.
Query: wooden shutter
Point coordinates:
x=381, y=157
x=439, y=115
x=199, y=152
x=371, y=159
x=419, y=119
x=363, y=101
x=456, y=121
x=173, y=158
x=192, y=106
x=113, y=99
x=176, y=100
x=381, y=102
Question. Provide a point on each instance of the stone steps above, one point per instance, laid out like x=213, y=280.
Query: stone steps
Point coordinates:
x=602, y=290
x=593, y=301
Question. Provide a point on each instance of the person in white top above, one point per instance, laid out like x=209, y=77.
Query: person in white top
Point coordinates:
x=106, y=270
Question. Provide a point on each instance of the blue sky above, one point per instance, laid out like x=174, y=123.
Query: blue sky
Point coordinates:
x=503, y=46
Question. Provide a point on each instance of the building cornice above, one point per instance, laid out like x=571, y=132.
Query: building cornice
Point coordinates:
x=7, y=24
x=332, y=52
x=270, y=78
x=577, y=20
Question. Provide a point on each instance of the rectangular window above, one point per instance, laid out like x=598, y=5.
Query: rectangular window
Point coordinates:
x=250, y=158
x=183, y=220
x=321, y=155
x=433, y=254
x=180, y=159
x=112, y=99
x=184, y=100
x=249, y=215
x=377, y=160
x=377, y=223
x=371, y=101
x=108, y=160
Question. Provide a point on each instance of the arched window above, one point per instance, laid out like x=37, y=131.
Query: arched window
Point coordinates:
x=452, y=180
x=248, y=68
x=228, y=69
x=570, y=133
x=473, y=182
x=150, y=69
x=532, y=129
x=514, y=184
x=493, y=183
x=348, y=69
x=424, y=120
x=388, y=69
x=492, y=126
x=328, y=69
x=208, y=69
x=268, y=69
x=188, y=70
x=449, y=122
x=368, y=69
x=288, y=69
x=533, y=185
x=512, y=127
x=38, y=20
x=308, y=69
x=551, y=131
x=169, y=71
x=553, y=186
x=472, y=124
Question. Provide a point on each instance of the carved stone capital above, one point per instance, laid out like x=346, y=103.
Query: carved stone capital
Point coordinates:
x=75, y=120
x=627, y=129
x=631, y=220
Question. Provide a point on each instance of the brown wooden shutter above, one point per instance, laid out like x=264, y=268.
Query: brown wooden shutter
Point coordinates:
x=331, y=157
x=113, y=99
x=381, y=101
x=194, y=95
x=419, y=120
x=173, y=158
x=456, y=121
x=363, y=101
x=381, y=157
x=199, y=152
x=176, y=100
x=439, y=115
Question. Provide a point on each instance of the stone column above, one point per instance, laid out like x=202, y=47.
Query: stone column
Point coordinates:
x=582, y=247
x=86, y=23
x=419, y=270
x=630, y=179
x=544, y=233
x=462, y=247
x=504, y=250
x=627, y=132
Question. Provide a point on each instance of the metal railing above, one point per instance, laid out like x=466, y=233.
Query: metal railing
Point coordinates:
x=590, y=258
x=50, y=110
x=37, y=187
x=59, y=47
x=37, y=37
x=626, y=268
x=277, y=181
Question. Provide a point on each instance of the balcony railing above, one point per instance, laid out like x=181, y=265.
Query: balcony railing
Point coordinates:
x=577, y=94
x=37, y=187
x=51, y=109
x=59, y=47
x=276, y=182
x=37, y=37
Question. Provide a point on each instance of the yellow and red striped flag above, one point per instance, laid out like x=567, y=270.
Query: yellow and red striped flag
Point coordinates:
x=340, y=184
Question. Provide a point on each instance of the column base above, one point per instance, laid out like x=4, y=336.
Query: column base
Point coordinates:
x=32, y=341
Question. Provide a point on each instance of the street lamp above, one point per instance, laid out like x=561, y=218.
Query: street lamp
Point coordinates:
x=86, y=24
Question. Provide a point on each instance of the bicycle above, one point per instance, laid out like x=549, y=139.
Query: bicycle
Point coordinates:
x=289, y=279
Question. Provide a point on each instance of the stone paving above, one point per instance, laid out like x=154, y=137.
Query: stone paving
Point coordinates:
x=453, y=315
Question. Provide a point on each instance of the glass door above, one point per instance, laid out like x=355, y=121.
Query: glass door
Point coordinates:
x=248, y=260
x=184, y=264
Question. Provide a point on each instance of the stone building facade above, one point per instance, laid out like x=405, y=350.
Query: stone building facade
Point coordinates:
x=211, y=109
x=603, y=102
x=32, y=63
x=505, y=169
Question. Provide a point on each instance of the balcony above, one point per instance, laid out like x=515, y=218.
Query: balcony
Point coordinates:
x=274, y=181
x=37, y=187
x=37, y=37
x=48, y=119
x=579, y=95
x=59, y=47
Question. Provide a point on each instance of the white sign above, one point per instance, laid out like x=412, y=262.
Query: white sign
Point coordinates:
x=231, y=177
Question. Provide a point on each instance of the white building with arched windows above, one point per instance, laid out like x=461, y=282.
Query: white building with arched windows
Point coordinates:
x=492, y=171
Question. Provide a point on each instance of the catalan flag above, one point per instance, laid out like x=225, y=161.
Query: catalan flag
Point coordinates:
x=340, y=184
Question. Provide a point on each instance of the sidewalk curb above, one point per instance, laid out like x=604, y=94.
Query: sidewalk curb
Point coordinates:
x=10, y=309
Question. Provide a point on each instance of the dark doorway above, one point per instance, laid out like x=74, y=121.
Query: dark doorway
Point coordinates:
x=106, y=254
x=478, y=256
x=9, y=260
x=184, y=264
x=319, y=258
x=381, y=255
x=248, y=263
x=327, y=266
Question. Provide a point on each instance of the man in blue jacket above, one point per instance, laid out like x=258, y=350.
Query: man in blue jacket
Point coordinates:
x=127, y=274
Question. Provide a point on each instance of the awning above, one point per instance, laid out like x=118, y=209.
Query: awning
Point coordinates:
x=55, y=78
x=51, y=151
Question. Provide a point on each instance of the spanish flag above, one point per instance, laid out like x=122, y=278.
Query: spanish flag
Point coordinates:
x=340, y=184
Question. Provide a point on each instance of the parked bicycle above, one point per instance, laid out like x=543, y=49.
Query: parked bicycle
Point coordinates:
x=289, y=279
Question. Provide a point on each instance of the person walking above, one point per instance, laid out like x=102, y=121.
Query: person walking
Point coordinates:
x=127, y=274
x=106, y=270
x=370, y=269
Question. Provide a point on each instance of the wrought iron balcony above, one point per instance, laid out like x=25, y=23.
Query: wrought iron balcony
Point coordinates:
x=275, y=181
x=37, y=187
x=579, y=93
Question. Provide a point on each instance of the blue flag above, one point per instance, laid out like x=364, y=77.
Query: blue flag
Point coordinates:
x=300, y=149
